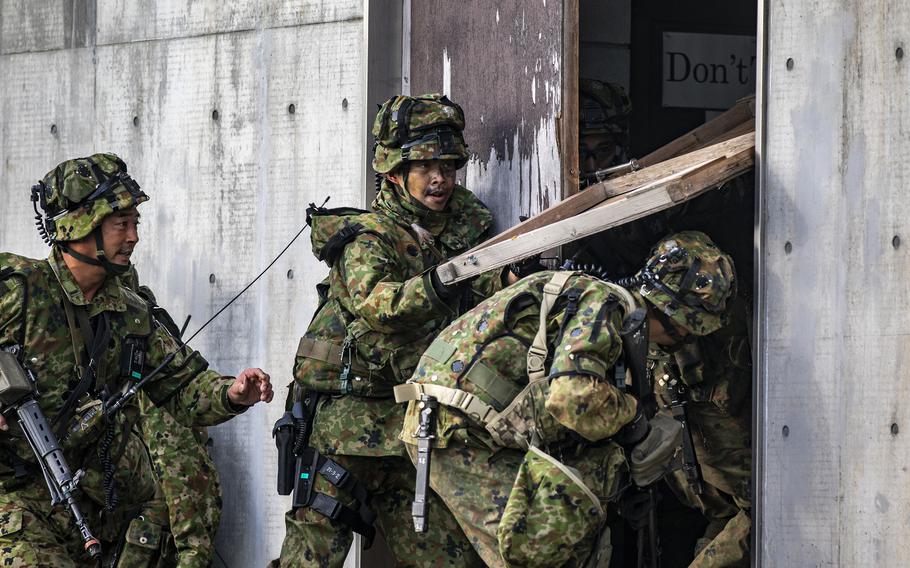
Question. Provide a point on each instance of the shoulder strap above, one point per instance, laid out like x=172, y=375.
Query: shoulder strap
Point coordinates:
x=537, y=353
x=475, y=408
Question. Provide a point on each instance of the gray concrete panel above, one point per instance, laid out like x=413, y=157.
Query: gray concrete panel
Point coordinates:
x=835, y=449
x=47, y=112
x=122, y=21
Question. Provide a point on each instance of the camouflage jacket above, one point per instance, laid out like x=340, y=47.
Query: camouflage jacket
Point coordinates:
x=32, y=314
x=379, y=310
x=484, y=353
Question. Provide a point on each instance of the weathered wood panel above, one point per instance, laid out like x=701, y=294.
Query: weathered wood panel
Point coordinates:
x=836, y=280
x=502, y=62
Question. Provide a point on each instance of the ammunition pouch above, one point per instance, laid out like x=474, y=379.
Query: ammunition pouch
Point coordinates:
x=331, y=368
x=146, y=545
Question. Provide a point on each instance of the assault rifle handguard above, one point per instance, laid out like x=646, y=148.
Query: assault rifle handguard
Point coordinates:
x=17, y=392
x=690, y=466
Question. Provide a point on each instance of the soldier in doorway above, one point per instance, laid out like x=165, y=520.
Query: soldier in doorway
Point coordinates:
x=529, y=450
x=380, y=307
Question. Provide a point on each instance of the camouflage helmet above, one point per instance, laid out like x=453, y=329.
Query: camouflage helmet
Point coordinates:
x=690, y=280
x=604, y=108
x=427, y=127
x=78, y=194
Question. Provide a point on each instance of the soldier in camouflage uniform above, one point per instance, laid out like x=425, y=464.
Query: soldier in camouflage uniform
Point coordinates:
x=515, y=434
x=710, y=363
x=380, y=307
x=603, y=127
x=85, y=336
x=189, y=495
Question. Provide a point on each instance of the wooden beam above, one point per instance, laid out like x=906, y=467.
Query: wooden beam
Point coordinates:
x=715, y=130
x=600, y=192
x=664, y=188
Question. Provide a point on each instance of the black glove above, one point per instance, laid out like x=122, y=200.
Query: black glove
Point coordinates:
x=446, y=292
x=526, y=266
x=635, y=431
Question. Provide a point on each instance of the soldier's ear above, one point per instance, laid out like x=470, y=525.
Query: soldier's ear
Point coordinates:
x=396, y=177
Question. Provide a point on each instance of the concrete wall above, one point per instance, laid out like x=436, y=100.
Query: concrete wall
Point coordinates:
x=143, y=79
x=835, y=489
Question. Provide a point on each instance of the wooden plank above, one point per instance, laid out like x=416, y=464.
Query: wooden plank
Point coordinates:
x=604, y=190
x=655, y=195
x=711, y=132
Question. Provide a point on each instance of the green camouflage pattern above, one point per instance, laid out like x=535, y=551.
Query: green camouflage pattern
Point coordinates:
x=407, y=129
x=188, y=480
x=702, y=307
x=380, y=296
x=493, y=339
x=717, y=372
x=33, y=534
x=68, y=185
x=314, y=540
x=605, y=107
x=196, y=396
x=490, y=343
x=189, y=490
x=477, y=483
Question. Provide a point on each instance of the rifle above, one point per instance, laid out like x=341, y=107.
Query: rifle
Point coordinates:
x=17, y=391
x=677, y=406
x=639, y=508
x=601, y=175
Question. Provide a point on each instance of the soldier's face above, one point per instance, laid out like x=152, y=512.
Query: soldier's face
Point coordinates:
x=658, y=334
x=431, y=182
x=596, y=152
x=120, y=233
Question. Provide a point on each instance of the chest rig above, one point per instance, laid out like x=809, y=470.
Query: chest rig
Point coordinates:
x=103, y=362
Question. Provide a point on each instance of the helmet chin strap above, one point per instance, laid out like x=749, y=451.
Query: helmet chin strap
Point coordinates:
x=100, y=259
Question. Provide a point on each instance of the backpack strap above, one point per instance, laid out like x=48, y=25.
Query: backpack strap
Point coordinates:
x=538, y=352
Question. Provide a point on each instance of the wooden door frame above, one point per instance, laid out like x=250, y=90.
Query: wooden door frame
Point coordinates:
x=568, y=112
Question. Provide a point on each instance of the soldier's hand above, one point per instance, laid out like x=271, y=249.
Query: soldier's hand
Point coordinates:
x=3, y=425
x=251, y=386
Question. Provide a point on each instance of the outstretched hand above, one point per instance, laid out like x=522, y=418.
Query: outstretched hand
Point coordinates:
x=251, y=386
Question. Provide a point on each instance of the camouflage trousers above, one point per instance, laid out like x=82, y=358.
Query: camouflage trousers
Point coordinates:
x=723, y=447
x=315, y=540
x=189, y=499
x=33, y=534
x=476, y=483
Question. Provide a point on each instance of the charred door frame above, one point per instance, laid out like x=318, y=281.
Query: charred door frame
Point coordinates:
x=568, y=117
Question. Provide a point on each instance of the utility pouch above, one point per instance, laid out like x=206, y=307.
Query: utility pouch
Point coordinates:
x=142, y=544
x=550, y=514
x=132, y=358
x=14, y=383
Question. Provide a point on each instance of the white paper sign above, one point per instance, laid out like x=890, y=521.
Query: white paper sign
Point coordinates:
x=709, y=71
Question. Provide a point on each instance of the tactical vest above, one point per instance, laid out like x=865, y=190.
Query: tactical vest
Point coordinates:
x=341, y=353
x=514, y=418
x=52, y=341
